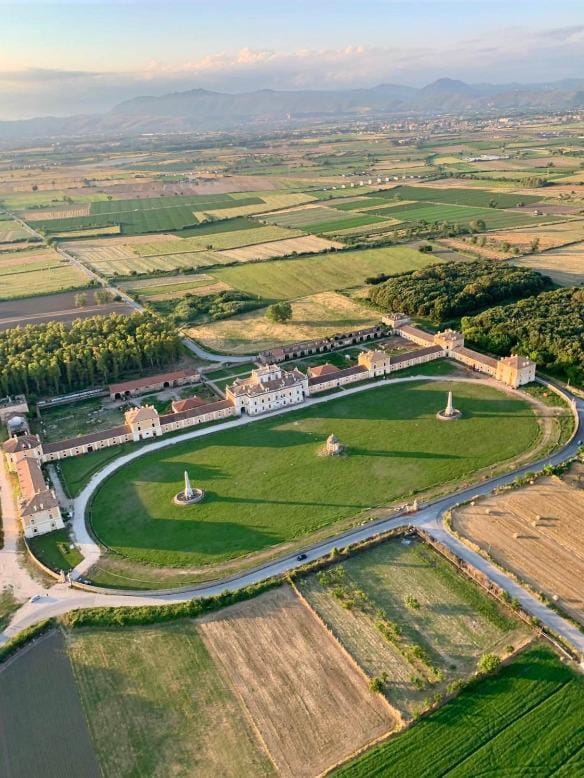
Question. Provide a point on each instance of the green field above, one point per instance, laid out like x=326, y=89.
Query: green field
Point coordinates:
x=157, y=705
x=266, y=483
x=222, y=240
x=43, y=728
x=27, y=281
x=454, y=196
x=292, y=278
x=451, y=623
x=494, y=218
x=12, y=232
x=524, y=721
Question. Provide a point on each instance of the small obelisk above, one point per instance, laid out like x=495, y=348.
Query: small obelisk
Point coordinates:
x=449, y=406
x=450, y=413
x=189, y=493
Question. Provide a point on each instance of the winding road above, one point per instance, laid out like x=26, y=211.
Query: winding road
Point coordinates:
x=60, y=598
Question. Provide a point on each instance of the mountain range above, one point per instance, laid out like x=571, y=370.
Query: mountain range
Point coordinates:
x=202, y=110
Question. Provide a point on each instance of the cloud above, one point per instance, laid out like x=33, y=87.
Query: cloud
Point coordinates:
x=508, y=54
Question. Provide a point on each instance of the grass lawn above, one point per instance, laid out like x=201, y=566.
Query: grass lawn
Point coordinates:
x=266, y=483
x=53, y=550
x=8, y=605
x=157, y=705
x=524, y=721
x=291, y=278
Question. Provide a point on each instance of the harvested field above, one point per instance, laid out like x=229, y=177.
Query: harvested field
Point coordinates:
x=173, y=288
x=43, y=730
x=551, y=236
x=30, y=282
x=316, y=316
x=11, y=231
x=307, y=699
x=222, y=240
x=157, y=705
x=537, y=532
x=406, y=588
x=269, y=202
x=79, y=209
x=282, y=248
x=52, y=307
x=564, y=265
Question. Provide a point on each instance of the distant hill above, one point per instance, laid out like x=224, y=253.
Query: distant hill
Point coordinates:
x=200, y=109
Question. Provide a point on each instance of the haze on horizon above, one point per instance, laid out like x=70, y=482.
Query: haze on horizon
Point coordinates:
x=84, y=57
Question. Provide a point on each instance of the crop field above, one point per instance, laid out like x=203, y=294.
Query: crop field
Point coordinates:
x=266, y=484
x=175, y=287
x=43, y=725
x=307, y=244
x=308, y=720
x=52, y=307
x=271, y=201
x=299, y=217
x=65, y=212
x=537, y=533
x=13, y=232
x=462, y=196
x=525, y=720
x=222, y=240
x=292, y=278
x=405, y=613
x=316, y=316
x=27, y=274
x=494, y=218
x=564, y=265
x=157, y=705
x=550, y=236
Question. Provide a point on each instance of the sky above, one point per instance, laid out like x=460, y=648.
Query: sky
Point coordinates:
x=59, y=58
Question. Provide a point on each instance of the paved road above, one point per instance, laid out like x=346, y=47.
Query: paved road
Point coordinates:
x=61, y=599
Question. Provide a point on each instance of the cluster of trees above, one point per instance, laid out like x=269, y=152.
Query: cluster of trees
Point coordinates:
x=548, y=328
x=279, y=312
x=54, y=358
x=100, y=297
x=445, y=291
x=215, y=306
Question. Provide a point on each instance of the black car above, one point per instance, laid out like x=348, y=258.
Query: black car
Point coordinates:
x=301, y=557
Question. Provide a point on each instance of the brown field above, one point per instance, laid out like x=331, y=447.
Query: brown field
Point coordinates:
x=81, y=209
x=308, y=700
x=308, y=244
x=550, y=236
x=52, y=307
x=486, y=252
x=536, y=532
x=317, y=316
x=565, y=265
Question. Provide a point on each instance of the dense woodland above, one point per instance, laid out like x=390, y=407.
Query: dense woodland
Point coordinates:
x=54, y=358
x=548, y=328
x=449, y=290
x=222, y=305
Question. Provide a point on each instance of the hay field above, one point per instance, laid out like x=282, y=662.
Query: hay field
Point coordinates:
x=564, y=265
x=80, y=209
x=307, y=244
x=45, y=278
x=316, y=316
x=157, y=705
x=175, y=287
x=307, y=699
x=551, y=236
x=43, y=730
x=271, y=202
x=219, y=241
x=452, y=622
x=536, y=532
x=288, y=279
x=11, y=231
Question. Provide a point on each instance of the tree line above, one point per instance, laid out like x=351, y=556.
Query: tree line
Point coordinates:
x=448, y=290
x=54, y=358
x=548, y=328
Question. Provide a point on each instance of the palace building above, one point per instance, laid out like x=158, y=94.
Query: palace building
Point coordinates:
x=266, y=389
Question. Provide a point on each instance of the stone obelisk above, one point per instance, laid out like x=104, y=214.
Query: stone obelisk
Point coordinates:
x=189, y=493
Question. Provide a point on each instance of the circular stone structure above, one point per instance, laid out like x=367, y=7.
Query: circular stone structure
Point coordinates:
x=450, y=413
x=189, y=495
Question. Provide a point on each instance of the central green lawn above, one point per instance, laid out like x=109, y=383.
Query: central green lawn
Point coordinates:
x=266, y=484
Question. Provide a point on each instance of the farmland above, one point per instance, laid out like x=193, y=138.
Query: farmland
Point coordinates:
x=157, y=705
x=13, y=232
x=307, y=244
x=308, y=720
x=523, y=721
x=536, y=532
x=289, y=279
x=456, y=196
x=406, y=614
x=37, y=272
x=260, y=479
x=564, y=265
x=316, y=316
x=48, y=736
